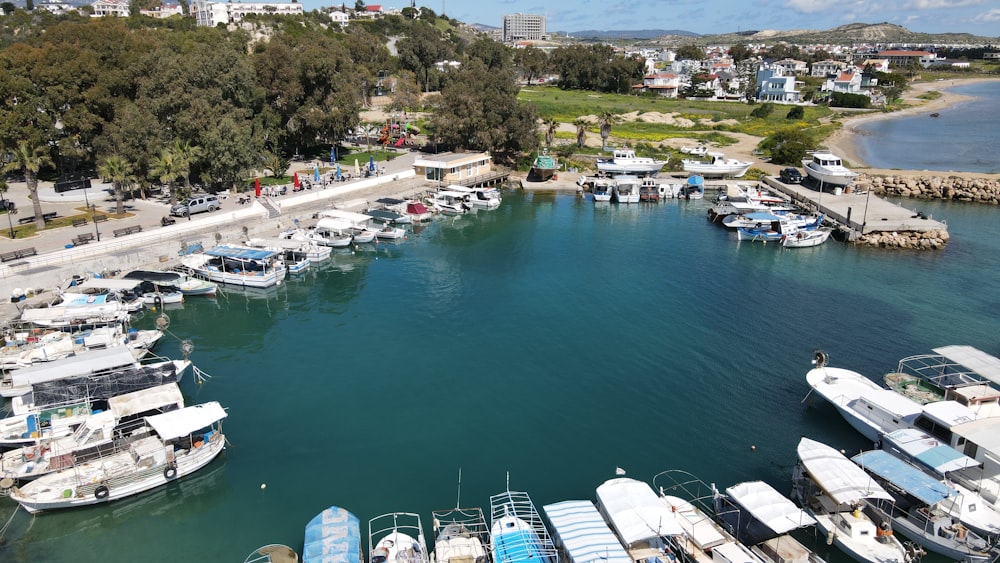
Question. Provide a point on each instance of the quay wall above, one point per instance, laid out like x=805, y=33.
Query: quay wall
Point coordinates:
x=956, y=188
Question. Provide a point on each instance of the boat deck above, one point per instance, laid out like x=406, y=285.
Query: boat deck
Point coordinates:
x=862, y=212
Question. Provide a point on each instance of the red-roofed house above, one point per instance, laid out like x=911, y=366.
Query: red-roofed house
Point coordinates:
x=904, y=58
x=847, y=81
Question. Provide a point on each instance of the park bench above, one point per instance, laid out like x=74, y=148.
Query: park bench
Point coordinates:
x=82, y=238
x=80, y=222
x=46, y=216
x=16, y=254
x=128, y=230
x=100, y=218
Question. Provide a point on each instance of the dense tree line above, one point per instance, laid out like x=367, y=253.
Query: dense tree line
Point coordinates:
x=596, y=67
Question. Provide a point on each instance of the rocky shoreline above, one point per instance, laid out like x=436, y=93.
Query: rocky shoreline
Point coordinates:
x=944, y=187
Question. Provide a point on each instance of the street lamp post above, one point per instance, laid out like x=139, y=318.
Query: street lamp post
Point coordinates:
x=93, y=212
x=10, y=221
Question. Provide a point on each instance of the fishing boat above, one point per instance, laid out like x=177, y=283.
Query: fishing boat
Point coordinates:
x=97, y=361
x=450, y=202
x=807, y=238
x=650, y=190
x=180, y=443
x=915, y=512
x=335, y=233
x=625, y=161
x=389, y=232
x=486, y=198
x=333, y=535
x=418, y=211
x=768, y=228
x=717, y=165
x=460, y=536
x=839, y=495
x=298, y=249
x=602, y=190
x=388, y=216
x=626, y=189
x=543, y=168
x=582, y=534
x=762, y=518
x=828, y=169
x=694, y=188
x=961, y=373
x=644, y=523
x=238, y=265
x=187, y=285
x=26, y=346
x=97, y=435
x=397, y=537
x=517, y=530
x=160, y=297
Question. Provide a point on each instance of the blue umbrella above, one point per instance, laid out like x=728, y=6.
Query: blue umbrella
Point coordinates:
x=333, y=154
x=696, y=180
x=316, y=173
x=371, y=163
x=339, y=177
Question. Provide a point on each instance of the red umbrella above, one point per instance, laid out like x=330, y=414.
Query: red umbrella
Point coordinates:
x=295, y=179
x=256, y=187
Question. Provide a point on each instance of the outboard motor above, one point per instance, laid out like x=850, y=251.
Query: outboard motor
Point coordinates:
x=819, y=358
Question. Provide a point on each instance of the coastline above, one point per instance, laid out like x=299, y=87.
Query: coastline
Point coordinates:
x=843, y=142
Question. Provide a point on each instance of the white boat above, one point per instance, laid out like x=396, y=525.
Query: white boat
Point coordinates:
x=717, y=165
x=624, y=161
x=125, y=290
x=517, y=531
x=451, y=203
x=397, y=537
x=390, y=214
x=915, y=509
x=187, y=284
x=334, y=233
x=582, y=534
x=164, y=297
x=460, y=536
x=26, y=347
x=958, y=471
x=178, y=445
x=961, y=373
x=626, y=189
x=644, y=523
x=838, y=495
x=698, y=150
x=300, y=248
x=389, y=232
x=96, y=435
x=487, y=198
x=78, y=312
x=238, y=265
x=101, y=360
x=762, y=518
x=804, y=238
x=772, y=228
x=333, y=535
x=602, y=190
x=828, y=169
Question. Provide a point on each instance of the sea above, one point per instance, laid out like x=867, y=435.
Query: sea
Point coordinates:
x=544, y=346
x=958, y=139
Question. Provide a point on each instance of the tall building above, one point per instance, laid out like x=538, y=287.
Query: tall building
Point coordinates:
x=523, y=27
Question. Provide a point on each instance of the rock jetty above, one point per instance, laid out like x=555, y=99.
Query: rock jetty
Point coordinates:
x=955, y=188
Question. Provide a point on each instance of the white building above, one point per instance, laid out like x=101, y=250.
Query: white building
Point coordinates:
x=827, y=68
x=118, y=8
x=663, y=83
x=209, y=13
x=847, y=82
x=774, y=86
x=163, y=11
x=521, y=27
x=339, y=18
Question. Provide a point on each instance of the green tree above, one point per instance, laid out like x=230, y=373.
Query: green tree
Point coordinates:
x=421, y=49
x=763, y=111
x=740, y=52
x=7, y=8
x=605, y=120
x=119, y=171
x=797, y=112
x=788, y=146
x=531, y=61
x=690, y=53
x=30, y=160
x=167, y=168
x=581, y=131
x=405, y=93
x=550, y=125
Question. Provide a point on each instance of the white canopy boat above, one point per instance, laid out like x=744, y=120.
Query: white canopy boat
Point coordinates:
x=187, y=285
x=761, y=517
x=302, y=248
x=81, y=310
x=624, y=161
x=97, y=435
x=602, y=190
x=238, y=265
x=177, y=447
x=583, y=535
x=397, y=537
x=335, y=233
x=915, y=512
x=517, y=530
x=333, y=535
x=460, y=536
x=828, y=169
x=125, y=290
x=29, y=347
x=451, y=202
x=717, y=165
x=626, y=189
x=961, y=373
x=642, y=521
x=838, y=495
x=487, y=198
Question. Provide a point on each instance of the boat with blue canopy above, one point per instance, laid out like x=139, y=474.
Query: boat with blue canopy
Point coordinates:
x=333, y=535
x=518, y=532
x=238, y=265
x=915, y=509
x=583, y=535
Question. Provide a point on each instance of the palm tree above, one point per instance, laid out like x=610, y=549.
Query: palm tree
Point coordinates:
x=581, y=131
x=30, y=160
x=550, y=130
x=167, y=169
x=186, y=155
x=605, y=120
x=119, y=171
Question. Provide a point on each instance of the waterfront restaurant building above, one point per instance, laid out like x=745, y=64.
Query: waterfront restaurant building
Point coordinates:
x=452, y=167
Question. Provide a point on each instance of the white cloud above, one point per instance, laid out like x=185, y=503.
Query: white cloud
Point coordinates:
x=808, y=6
x=935, y=4
x=991, y=16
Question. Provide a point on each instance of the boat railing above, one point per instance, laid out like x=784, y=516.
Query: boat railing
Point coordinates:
x=939, y=371
x=470, y=520
x=403, y=522
x=519, y=505
x=680, y=483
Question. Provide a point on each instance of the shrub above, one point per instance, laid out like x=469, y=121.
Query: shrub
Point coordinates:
x=763, y=111
x=797, y=112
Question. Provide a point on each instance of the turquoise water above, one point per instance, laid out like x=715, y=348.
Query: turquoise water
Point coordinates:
x=961, y=138
x=552, y=340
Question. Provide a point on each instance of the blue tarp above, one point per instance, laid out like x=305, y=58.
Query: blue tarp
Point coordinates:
x=762, y=216
x=946, y=458
x=334, y=536
x=696, y=181
x=584, y=534
x=915, y=482
x=240, y=252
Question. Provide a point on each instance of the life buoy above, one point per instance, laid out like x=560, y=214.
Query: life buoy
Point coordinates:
x=102, y=492
x=170, y=472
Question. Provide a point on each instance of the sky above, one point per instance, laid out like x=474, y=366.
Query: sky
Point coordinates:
x=979, y=17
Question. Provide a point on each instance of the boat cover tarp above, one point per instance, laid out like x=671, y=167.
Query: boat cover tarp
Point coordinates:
x=108, y=283
x=334, y=224
x=146, y=400
x=103, y=387
x=635, y=511
x=345, y=215
x=839, y=477
x=94, y=361
x=583, y=533
x=333, y=536
x=384, y=215
x=52, y=315
x=389, y=201
x=416, y=208
x=179, y=423
x=167, y=278
x=240, y=252
x=276, y=243
x=762, y=216
x=924, y=487
x=770, y=507
x=928, y=451
x=986, y=365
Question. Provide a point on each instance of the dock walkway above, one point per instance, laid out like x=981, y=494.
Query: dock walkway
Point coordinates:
x=859, y=213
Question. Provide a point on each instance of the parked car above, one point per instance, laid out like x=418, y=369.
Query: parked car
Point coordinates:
x=196, y=204
x=791, y=175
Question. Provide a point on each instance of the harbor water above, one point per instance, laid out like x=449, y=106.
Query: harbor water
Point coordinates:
x=552, y=341
x=960, y=138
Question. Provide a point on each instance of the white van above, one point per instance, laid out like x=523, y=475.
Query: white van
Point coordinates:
x=196, y=204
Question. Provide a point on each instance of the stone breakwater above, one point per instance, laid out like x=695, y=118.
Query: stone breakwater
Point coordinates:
x=956, y=188
x=913, y=240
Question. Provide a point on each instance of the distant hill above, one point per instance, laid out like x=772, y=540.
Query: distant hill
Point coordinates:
x=639, y=34
x=843, y=35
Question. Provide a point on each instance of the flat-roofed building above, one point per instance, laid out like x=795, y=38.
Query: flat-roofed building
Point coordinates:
x=208, y=13
x=523, y=27
x=453, y=167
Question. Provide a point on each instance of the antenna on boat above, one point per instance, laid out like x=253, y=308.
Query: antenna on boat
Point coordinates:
x=458, y=501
